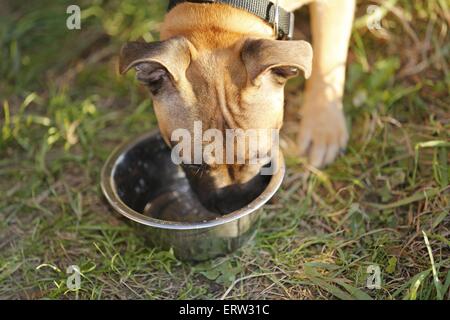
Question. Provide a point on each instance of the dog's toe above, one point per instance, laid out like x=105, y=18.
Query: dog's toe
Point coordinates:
x=322, y=134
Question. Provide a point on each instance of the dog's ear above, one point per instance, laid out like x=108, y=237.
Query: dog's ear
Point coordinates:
x=282, y=58
x=172, y=55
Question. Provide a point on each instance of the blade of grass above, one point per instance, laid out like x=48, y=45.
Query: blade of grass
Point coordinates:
x=418, y=196
x=415, y=282
x=427, y=144
x=442, y=167
x=335, y=291
x=355, y=292
x=446, y=285
x=437, y=283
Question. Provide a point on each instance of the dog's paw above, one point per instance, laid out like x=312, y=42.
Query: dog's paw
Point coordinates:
x=323, y=132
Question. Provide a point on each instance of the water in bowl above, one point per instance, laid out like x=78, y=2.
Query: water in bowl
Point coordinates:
x=150, y=183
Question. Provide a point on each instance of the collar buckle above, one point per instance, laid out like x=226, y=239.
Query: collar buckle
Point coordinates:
x=279, y=32
x=290, y=34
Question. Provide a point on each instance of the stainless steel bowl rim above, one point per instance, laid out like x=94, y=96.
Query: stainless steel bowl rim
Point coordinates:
x=109, y=190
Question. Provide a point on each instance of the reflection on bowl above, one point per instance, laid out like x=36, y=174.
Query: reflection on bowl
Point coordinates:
x=141, y=182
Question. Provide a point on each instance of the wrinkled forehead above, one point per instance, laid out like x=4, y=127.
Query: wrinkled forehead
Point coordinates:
x=217, y=67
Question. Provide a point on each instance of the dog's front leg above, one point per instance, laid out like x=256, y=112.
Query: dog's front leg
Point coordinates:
x=323, y=131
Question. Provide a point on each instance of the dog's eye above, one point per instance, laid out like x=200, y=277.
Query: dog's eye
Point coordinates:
x=153, y=78
x=284, y=73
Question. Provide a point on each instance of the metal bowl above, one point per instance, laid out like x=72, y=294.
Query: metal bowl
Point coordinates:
x=140, y=170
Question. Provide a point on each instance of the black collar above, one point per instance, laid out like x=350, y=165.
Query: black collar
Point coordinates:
x=264, y=9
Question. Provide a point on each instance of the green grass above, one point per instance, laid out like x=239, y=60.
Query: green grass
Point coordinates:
x=385, y=203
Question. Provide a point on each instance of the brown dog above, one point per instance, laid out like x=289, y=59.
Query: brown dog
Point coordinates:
x=222, y=66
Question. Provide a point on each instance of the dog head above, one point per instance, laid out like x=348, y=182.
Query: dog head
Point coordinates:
x=234, y=86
